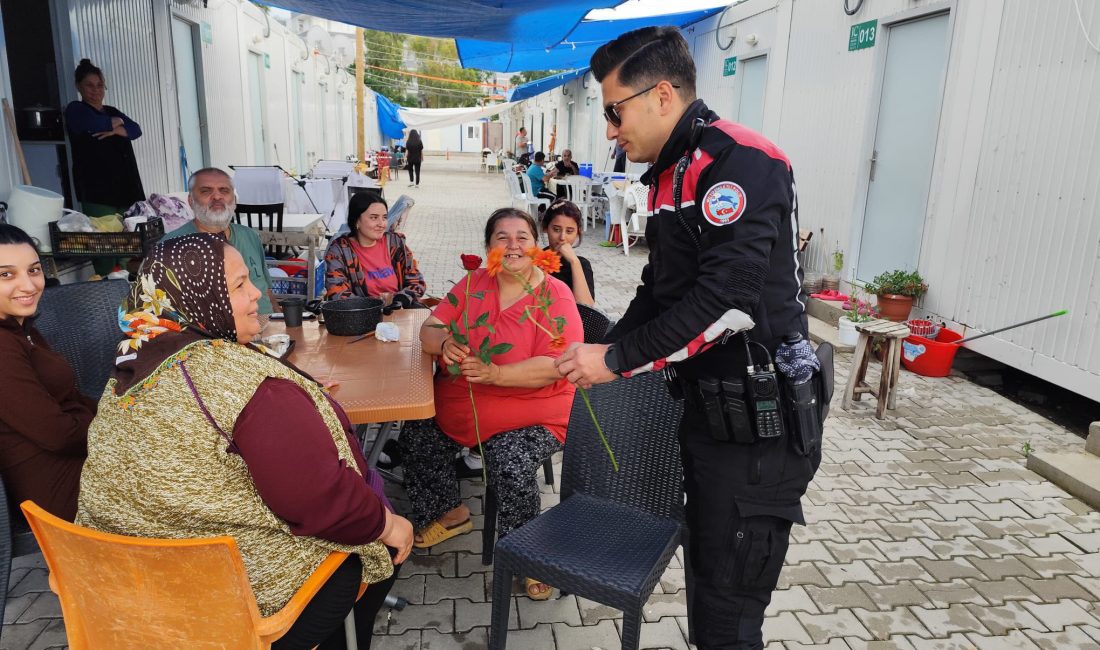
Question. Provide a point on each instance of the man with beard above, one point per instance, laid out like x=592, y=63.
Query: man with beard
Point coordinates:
x=212, y=199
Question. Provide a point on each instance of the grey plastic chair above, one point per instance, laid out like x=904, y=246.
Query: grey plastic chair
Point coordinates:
x=613, y=534
x=595, y=323
x=80, y=321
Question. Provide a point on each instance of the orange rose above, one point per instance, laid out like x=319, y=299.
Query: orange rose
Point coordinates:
x=548, y=261
x=495, y=262
x=557, y=344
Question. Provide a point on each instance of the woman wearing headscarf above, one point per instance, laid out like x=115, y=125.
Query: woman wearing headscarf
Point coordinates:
x=414, y=156
x=201, y=434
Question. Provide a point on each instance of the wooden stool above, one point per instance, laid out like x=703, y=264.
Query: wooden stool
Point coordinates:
x=894, y=333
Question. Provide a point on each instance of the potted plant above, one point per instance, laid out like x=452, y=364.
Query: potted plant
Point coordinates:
x=896, y=291
x=831, y=282
x=856, y=310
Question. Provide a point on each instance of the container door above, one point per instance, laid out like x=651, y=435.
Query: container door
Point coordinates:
x=750, y=105
x=256, y=101
x=298, y=80
x=188, y=97
x=905, y=145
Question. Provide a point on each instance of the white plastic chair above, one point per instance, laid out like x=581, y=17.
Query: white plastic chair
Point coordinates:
x=634, y=213
x=521, y=199
x=533, y=200
x=490, y=163
x=578, y=189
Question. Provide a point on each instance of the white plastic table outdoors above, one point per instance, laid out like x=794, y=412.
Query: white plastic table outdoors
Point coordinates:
x=300, y=229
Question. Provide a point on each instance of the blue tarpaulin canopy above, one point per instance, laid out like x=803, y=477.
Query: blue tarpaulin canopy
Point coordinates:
x=389, y=120
x=542, y=24
x=573, y=51
x=539, y=86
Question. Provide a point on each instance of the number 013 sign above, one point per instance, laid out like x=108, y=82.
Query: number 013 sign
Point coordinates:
x=862, y=35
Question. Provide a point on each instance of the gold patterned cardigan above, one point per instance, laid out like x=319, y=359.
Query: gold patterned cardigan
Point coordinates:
x=157, y=468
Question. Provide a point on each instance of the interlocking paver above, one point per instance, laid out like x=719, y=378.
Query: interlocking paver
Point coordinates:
x=891, y=596
x=947, y=594
x=556, y=610
x=1070, y=638
x=408, y=641
x=941, y=622
x=823, y=627
x=884, y=624
x=1010, y=616
x=830, y=599
x=665, y=633
x=1057, y=616
x=785, y=626
x=475, y=638
x=603, y=635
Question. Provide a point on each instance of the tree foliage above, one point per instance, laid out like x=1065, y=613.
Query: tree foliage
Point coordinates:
x=434, y=57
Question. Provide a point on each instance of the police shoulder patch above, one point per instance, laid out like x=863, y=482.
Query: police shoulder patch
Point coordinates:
x=724, y=203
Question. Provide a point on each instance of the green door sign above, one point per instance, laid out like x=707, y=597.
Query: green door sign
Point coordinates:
x=862, y=35
x=729, y=68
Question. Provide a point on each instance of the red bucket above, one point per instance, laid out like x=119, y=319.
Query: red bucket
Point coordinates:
x=931, y=358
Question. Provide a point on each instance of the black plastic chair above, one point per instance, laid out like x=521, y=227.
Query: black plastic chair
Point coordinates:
x=16, y=540
x=595, y=323
x=613, y=534
x=489, y=532
x=268, y=216
x=80, y=321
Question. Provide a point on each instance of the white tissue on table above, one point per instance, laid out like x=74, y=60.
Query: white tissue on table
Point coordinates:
x=387, y=332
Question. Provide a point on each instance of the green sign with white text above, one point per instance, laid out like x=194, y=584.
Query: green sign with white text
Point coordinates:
x=729, y=68
x=206, y=33
x=862, y=35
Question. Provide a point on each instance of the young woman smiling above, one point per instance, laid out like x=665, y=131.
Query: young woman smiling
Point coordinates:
x=43, y=417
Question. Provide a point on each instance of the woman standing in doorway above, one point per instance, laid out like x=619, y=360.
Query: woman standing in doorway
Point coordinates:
x=414, y=156
x=105, y=170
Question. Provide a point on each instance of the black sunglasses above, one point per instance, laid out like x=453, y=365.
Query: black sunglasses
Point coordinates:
x=611, y=111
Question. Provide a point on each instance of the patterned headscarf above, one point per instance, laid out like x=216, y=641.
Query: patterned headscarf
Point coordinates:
x=180, y=287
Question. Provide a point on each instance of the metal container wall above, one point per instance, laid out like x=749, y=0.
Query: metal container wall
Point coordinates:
x=131, y=41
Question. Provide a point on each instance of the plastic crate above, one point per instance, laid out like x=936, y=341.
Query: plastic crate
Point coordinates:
x=289, y=286
x=107, y=244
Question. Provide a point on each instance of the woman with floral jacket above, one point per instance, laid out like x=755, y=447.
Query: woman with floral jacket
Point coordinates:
x=371, y=260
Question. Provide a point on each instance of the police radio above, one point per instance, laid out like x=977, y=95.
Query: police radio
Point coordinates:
x=763, y=393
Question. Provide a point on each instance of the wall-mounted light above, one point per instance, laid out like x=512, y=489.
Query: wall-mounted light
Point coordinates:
x=752, y=40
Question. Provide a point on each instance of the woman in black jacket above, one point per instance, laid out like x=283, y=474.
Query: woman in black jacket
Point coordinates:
x=414, y=156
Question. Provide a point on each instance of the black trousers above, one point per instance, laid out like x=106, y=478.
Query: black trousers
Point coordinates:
x=322, y=620
x=735, y=560
x=414, y=167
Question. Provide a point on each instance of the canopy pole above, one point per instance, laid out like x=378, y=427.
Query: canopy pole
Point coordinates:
x=360, y=82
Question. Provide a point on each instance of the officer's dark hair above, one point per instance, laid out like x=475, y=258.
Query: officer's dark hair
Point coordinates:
x=359, y=204
x=509, y=213
x=539, y=156
x=10, y=234
x=563, y=208
x=85, y=68
x=647, y=56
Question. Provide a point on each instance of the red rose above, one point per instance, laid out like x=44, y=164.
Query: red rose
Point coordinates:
x=471, y=262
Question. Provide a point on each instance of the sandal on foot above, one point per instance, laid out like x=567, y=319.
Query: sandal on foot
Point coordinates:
x=534, y=594
x=435, y=532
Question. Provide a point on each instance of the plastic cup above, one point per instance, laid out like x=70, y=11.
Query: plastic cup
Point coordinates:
x=292, y=311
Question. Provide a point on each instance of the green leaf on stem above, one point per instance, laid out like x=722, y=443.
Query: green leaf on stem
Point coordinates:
x=560, y=323
x=460, y=338
x=492, y=330
x=523, y=316
x=480, y=295
x=500, y=348
x=452, y=299
x=482, y=320
x=440, y=326
x=453, y=369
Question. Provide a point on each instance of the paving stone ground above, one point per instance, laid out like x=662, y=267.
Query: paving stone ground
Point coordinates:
x=925, y=529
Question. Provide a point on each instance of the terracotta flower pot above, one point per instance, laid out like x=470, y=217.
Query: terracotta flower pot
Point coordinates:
x=894, y=307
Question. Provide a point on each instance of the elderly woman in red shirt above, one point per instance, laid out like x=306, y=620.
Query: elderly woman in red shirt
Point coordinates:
x=522, y=403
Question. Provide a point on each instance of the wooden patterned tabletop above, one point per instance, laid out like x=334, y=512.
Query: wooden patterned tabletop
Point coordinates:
x=379, y=382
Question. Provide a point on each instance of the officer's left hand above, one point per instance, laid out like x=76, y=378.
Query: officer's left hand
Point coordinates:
x=582, y=364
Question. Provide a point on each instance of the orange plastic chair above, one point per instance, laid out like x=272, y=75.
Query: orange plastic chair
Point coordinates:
x=132, y=592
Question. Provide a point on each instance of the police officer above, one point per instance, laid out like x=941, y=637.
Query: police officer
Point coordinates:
x=722, y=283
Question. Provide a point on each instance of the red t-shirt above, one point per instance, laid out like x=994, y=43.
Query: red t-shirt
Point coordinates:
x=377, y=267
x=504, y=408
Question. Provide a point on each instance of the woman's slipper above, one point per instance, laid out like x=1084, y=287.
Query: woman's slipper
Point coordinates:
x=533, y=591
x=435, y=532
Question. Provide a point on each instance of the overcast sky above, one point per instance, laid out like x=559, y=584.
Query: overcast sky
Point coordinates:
x=636, y=8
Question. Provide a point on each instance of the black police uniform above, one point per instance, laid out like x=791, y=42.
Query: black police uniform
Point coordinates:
x=727, y=263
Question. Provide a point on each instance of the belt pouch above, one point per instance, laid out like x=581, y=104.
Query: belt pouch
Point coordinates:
x=737, y=414
x=712, y=408
x=805, y=417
